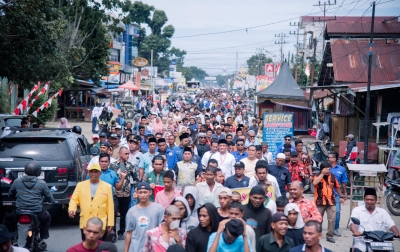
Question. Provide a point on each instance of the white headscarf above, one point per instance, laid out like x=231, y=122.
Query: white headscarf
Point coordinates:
x=292, y=206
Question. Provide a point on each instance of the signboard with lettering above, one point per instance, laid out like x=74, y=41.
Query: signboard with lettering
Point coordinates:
x=276, y=127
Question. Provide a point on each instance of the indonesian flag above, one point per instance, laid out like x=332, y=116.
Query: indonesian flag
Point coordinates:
x=24, y=103
x=157, y=189
x=307, y=70
x=278, y=67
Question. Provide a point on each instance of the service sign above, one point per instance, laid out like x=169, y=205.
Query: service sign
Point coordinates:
x=276, y=127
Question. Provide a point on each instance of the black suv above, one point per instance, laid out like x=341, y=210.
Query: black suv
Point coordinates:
x=63, y=156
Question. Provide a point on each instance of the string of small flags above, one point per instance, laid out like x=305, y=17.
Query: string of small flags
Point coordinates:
x=47, y=103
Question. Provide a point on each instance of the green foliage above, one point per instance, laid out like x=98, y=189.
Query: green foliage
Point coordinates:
x=256, y=64
x=192, y=72
x=4, y=101
x=302, y=79
x=46, y=114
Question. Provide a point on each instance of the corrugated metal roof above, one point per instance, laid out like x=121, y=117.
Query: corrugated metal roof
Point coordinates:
x=361, y=28
x=350, y=61
x=348, y=18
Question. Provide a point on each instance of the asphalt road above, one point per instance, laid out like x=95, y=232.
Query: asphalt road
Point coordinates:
x=64, y=235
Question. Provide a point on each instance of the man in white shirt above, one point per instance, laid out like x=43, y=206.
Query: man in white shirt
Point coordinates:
x=209, y=154
x=372, y=218
x=208, y=186
x=134, y=150
x=250, y=161
x=267, y=155
x=262, y=175
x=226, y=161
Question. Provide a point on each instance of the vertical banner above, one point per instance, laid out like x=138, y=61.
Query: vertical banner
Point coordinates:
x=276, y=126
x=137, y=80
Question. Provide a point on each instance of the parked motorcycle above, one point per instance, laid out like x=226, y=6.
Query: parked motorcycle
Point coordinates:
x=375, y=240
x=28, y=232
x=393, y=196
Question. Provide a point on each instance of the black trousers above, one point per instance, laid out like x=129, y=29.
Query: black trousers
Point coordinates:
x=44, y=218
x=121, y=204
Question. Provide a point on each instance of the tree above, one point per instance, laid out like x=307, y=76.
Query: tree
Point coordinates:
x=302, y=78
x=256, y=64
x=47, y=113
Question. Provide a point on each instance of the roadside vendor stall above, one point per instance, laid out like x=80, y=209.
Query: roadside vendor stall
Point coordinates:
x=365, y=176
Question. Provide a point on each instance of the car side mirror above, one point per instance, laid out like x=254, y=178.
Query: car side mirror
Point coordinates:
x=355, y=220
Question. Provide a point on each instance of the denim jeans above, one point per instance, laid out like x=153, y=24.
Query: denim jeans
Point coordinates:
x=338, y=205
x=94, y=123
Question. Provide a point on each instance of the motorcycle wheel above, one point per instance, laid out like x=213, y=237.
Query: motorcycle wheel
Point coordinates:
x=393, y=204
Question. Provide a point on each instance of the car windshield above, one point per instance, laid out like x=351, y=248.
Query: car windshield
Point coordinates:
x=50, y=149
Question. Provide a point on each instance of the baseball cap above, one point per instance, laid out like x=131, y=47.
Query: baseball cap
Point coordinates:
x=143, y=185
x=279, y=217
x=118, y=127
x=294, y=154
x=201, y=134
x=103, y=134
x=114, y=135
x=106, y=143
x=235, y=227
x=5, y=235
x=351, y=136
x=133, y=140
x=218, y=127
x=95, y=136
x=239, y=164
x=94, y=167
x=226, y=191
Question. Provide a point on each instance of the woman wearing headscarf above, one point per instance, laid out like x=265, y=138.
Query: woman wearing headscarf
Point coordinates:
x=296, y=224
x=157, y=125
x=197, y=239
x=171, y=124
x=176, y=116
x=64, y=123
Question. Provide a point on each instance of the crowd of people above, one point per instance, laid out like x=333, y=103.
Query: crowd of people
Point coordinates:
x=179, y=180
x=201, y=179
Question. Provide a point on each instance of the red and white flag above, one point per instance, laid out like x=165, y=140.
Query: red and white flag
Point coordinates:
x=307, y=70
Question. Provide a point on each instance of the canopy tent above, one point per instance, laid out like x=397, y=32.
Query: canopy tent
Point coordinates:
x=284, y=86
x=129, y=85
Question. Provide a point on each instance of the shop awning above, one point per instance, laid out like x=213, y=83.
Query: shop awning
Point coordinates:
x=291, y=105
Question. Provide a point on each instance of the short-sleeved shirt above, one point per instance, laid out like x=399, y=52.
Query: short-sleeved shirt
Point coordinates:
x=268, y=243
x=145, y=161
x=109, y=176
x=236, y=246
x=163, y=200
x=155, y=242
x=233, y=182
x=282, y=175
x=77, y=248
x=130, y=179
x=308, y=209
x=340, y=174
x=239, y=156
x=139, y=221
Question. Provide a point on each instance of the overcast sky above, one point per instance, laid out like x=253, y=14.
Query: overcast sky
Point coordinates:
x=217, y=51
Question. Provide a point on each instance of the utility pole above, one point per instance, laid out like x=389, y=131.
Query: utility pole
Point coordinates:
x=368, y=100
x=297, y=47
x=261, y=56
x=282, y=42
x=313, y=60
x=152, y=83
x=237, y=56
x=324, y=19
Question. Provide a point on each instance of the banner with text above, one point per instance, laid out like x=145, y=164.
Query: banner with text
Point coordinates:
x=276, y=127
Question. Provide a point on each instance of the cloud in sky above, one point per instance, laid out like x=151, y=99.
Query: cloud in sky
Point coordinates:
x=213, y=52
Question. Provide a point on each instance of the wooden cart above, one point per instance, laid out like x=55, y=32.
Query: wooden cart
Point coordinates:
x=363, y=176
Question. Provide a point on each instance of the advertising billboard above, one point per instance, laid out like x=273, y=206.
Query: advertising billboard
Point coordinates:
x=276, y=127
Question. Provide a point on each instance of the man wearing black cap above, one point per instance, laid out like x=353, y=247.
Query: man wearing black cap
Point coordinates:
x=226, y=161
x=297, y=170
x=255, y=213
x=105, y=147
x=231, y=236
x=5, y=241
x=186, y=171
x=145, y=160
x=276, y=240
x=172, y=159
x=134, y=153
x=114, y=141
x=239, y=179
x=373, y=218
x=140, y=218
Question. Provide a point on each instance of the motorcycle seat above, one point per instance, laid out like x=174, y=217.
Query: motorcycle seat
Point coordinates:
x=379, y=236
